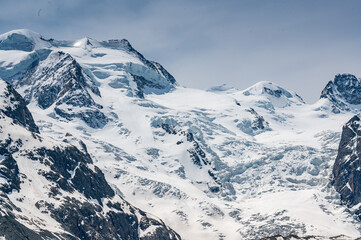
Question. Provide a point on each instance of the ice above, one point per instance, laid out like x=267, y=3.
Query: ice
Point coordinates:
x=284, y=163
x=254, y=182
x=24, y=40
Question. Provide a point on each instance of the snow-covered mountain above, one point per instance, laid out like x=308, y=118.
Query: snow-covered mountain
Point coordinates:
x=217, y=164
x=52, y=190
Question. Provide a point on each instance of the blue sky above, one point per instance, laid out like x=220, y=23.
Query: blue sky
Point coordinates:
x=300, y=45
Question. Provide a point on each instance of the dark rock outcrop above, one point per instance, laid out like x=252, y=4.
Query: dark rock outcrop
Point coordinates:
x=60, y=81
x=343, y=91
x=15, y=108
x=347, y=167
x=12, y=229
x=254, y=125
x=8, y=168
x=196, y=153
x=258, y=123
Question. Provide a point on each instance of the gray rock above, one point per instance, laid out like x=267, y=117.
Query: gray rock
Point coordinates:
x=347, y=167
x=344, y=90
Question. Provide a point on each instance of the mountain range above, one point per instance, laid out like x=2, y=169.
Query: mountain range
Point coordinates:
x=97, y=142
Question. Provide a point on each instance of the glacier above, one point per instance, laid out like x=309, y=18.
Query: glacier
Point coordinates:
x=217, y=164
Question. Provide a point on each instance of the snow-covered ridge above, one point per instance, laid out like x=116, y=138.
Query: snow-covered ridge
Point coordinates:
x=24, y=40
x=124, y=65
x=64, y=74
x=275, y=93
x=217, y=164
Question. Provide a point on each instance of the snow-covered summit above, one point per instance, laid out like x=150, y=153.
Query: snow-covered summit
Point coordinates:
x=263, y=92
x=86, y=42
x=24, y=40
x=274, y=93
x=44, y=70
x=343, y=93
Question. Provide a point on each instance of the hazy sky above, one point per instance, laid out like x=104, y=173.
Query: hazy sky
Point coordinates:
x=300, y=45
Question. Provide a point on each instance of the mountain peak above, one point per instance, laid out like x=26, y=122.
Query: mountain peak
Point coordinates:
x=343, y=92
x=273, y=92
x=86, y=42
x=24, y=40
x=266, y=87
x=346, y=79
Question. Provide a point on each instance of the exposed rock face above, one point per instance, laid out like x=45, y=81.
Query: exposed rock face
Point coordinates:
x=60, y=81
x=55, y=79
x=195, y=148
x=343, y=91
x=12, y=229
x=68, y=193
x=347, y=167
x=13, y=106
x=196, y=153
x=258, y=123
x=254, y=125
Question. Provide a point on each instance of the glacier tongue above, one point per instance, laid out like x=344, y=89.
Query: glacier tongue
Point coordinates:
x=216, y=164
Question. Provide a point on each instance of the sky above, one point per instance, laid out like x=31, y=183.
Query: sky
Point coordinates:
x=299, y=45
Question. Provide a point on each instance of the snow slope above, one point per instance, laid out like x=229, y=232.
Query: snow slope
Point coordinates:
x=52, y=190
x=216, y=164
